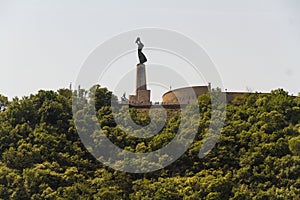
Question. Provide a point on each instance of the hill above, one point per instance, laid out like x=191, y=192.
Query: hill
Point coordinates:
x=256, y=157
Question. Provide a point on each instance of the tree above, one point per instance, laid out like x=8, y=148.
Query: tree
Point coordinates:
x=294, y=145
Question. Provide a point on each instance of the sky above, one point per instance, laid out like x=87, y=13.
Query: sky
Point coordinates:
x=254, y=45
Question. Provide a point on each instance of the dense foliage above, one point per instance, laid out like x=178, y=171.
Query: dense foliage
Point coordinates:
x=256, y=157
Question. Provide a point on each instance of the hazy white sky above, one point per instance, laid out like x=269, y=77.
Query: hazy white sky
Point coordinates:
x=254, y=44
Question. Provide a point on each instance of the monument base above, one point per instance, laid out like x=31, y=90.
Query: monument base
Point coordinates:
x=142, y=97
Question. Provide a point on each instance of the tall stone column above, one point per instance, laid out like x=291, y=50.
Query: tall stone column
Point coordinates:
x=140, y=77
x=142, y=95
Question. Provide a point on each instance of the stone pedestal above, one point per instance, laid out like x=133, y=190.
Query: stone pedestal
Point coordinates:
x=142, y=95
x=141, y=77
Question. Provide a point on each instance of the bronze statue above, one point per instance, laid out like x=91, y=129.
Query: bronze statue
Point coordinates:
x=124, y=98
x=141, y=56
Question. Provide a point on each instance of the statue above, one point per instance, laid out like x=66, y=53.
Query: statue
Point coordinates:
x=124, y=98
x=141, y=56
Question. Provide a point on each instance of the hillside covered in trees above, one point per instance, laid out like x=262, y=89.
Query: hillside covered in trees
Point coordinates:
x=256, y=157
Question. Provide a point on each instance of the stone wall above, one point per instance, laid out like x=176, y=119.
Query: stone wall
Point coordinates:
x=185, y=95
x=230, y=96
x=190, y=95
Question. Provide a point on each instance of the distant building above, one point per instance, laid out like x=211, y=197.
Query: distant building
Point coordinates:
x=186, y=95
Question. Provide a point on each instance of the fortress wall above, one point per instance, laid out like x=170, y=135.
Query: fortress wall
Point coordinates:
x=185, y=95
x=190, y=95
x=230, y=96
